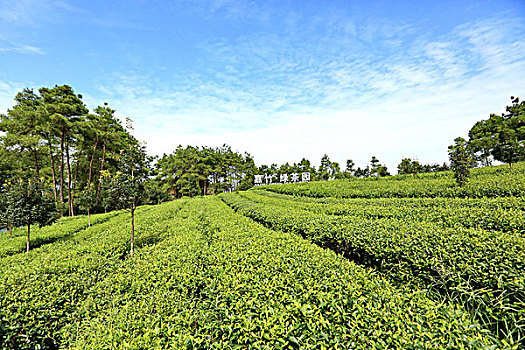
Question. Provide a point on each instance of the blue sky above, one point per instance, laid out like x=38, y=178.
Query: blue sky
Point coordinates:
x=281, y=80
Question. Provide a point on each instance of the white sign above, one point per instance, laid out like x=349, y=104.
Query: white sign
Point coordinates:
x=267, y=179
x=305, y=177
x=258, y=180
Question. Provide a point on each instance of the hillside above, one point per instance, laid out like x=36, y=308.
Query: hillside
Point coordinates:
x=463, y=245
x=380, y=263
x=491, y=181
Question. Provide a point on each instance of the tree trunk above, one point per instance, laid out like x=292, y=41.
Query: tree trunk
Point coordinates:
x=27, y=244
x=62, y=166
x=73, y=188
x=53, y=170
x=10, y=228
x=100, y=173
x=132, y=229
x=89, y=218
x=91, y=161
x=69, y=199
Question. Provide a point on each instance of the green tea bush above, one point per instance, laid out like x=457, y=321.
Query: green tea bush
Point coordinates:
x=230, y=283
x=41, y=292
x=498, y=214
x=62, y=229
x=481, y=269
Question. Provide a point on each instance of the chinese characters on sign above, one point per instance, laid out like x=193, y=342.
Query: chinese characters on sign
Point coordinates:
x=267, y=179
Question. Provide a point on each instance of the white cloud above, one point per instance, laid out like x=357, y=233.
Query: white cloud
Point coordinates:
x=281, y=98
x=23, y=49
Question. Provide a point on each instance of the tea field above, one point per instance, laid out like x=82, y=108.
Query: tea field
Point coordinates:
x=398, y=263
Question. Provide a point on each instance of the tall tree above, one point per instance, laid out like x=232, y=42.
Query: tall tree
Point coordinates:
x=126, y=187
x=365, y=172
x=377, y=169
x=22, y=125
x=110, y=136
x=500, y=136
x=349, y=166
x=48, y=137
x=306, y=166
x=66, y=110
x=325, y=169
x=460, y=160
x=248, y=170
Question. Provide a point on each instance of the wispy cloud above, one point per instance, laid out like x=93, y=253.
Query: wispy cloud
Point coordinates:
x=230, y=9
x=21, y=19
x=25, y=12
x=23, y=49
x=349, y=85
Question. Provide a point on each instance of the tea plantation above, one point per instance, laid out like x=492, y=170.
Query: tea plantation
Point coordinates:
x=409, y=262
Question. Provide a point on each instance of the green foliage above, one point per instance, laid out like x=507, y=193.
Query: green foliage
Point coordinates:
x=500, y=214
x=349, y=169
x=365, y=172
x=328, y=170
x=42, y=292
x=87, y=198
x=126, y=187
x=378, y=169
x=153, y=193
x=22, y=127
x=7, y=218
x=29, y=205
x=209, y=278
x=26, y=205
x=125, y=190
x=255, y=288
x=61, y=230
x=470, y=251
x=502, y=137
x=460, y=160
x=50, y=137
x=409, y=166
x=194, y=171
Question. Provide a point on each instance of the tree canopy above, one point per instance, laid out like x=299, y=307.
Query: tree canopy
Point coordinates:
x=501, y=136
x=460, y=160
x=193, y=171
x=50, y=137
x=26, y=205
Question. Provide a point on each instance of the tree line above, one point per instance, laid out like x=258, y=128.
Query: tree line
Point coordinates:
x=51, y=138
x=89, y=162
x=500, y=138
x=57, y=158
